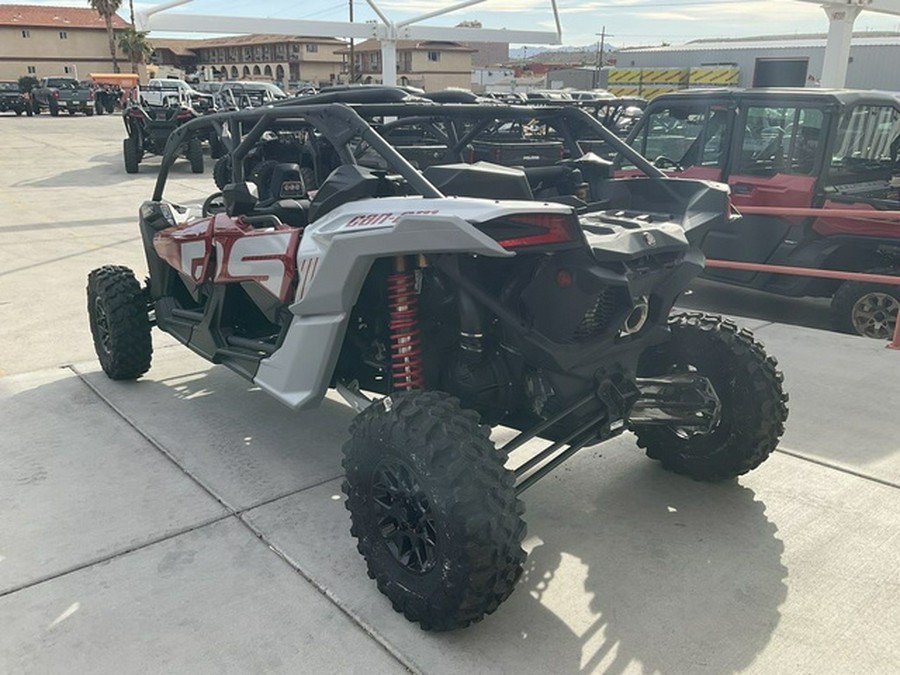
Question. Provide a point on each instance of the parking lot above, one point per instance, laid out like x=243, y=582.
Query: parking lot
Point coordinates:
x=187, y=523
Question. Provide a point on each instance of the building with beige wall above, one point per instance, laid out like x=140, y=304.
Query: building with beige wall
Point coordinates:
x=44, y=41
x=277, y=58
x=431, y=65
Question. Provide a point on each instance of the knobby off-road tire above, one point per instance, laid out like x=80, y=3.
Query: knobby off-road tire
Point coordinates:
x=433, y=509
x=216, y=146
x=222, y=171
x=117, y=308
x=749, y=387
x=195, y=155
x=132, y=154
x=866, y=309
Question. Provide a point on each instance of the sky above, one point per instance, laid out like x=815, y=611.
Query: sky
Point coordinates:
x=627, y=22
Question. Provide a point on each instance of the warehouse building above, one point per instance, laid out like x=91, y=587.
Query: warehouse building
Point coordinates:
x=778, y=61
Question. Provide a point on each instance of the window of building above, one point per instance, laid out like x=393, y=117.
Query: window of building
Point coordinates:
x=31, y=70
x=63, y=35
x=295, y=48
x=434, y=56
x=26, y=33
x=67, y=70
x=373, y=59
x=312, y=48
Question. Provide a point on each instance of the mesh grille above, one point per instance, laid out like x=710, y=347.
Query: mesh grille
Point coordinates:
x=597, y=318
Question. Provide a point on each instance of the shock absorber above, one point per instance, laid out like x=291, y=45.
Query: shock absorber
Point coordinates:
x=407, y=371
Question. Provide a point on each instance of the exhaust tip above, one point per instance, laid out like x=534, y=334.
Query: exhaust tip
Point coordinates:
x=636, y=318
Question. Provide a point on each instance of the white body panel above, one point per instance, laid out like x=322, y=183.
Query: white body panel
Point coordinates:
x=334, y=257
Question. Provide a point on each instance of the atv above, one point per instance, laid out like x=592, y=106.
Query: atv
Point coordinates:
x=835, y=151
x=149, y=128
x=438, y=316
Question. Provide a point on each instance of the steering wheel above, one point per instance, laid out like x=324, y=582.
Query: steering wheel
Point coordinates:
x=663, y=162
x=214, y=204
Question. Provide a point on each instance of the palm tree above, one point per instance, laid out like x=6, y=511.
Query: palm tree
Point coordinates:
x=134, y=44
x=107, y=9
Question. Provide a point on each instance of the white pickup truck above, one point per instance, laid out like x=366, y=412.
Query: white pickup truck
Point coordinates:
x=166, y=92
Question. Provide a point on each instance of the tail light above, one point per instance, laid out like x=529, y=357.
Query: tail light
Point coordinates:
x=523, y=230
x=184, y=114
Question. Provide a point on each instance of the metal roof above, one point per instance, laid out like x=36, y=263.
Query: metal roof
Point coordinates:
x=841, y=96
x=786, y=43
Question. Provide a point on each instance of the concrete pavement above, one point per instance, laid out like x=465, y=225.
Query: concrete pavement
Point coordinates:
x=188, y=523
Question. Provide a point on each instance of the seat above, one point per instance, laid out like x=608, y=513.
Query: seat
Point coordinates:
x=291, y=212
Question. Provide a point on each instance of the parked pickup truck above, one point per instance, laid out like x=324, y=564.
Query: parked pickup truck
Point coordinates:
x=167, y=92
x=62, y=93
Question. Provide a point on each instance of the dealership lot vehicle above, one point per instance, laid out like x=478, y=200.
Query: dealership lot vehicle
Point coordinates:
x=459, y=313
x=13, y=100
x=836, y=151
x=54, y=94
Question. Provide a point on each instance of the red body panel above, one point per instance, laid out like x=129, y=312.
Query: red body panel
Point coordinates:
x=223, y=249
x=779, y=190
x=867, y=228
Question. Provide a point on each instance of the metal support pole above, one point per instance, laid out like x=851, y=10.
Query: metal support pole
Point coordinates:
x=352, y=51
x=837, y=49
x=389, y=62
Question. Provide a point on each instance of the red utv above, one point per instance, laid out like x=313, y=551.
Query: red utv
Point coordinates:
x=790, y=148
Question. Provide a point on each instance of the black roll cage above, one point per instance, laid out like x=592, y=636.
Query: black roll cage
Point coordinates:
x=340, y=122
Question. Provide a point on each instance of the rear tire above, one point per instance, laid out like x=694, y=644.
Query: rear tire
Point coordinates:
x=132, y=154
x=866, y=309
x=195, y=155
x=120, y=324
x=433, y=509
x=749, y=387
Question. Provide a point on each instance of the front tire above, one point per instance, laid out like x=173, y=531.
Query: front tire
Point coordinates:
x=866, y=309
x=749, y=387
x=433, y=509
x=195, y=155
x=132, y=154
x=120, y=324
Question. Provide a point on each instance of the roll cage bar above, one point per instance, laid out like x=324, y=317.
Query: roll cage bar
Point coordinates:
x=340, y=122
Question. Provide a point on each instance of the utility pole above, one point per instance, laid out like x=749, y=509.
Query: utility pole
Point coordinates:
x=601, y=45
x=352, y=57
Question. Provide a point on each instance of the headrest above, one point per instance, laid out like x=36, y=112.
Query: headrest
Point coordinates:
x=240, y=198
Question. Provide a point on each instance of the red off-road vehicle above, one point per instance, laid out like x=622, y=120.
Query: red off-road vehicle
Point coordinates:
x=807, y=148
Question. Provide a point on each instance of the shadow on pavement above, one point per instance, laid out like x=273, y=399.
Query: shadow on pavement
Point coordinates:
x=656, y=573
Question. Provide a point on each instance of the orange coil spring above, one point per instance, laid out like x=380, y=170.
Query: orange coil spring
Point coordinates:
x=406, y=350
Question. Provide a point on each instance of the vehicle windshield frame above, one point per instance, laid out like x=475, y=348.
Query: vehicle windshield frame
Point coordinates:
x=845, y=169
